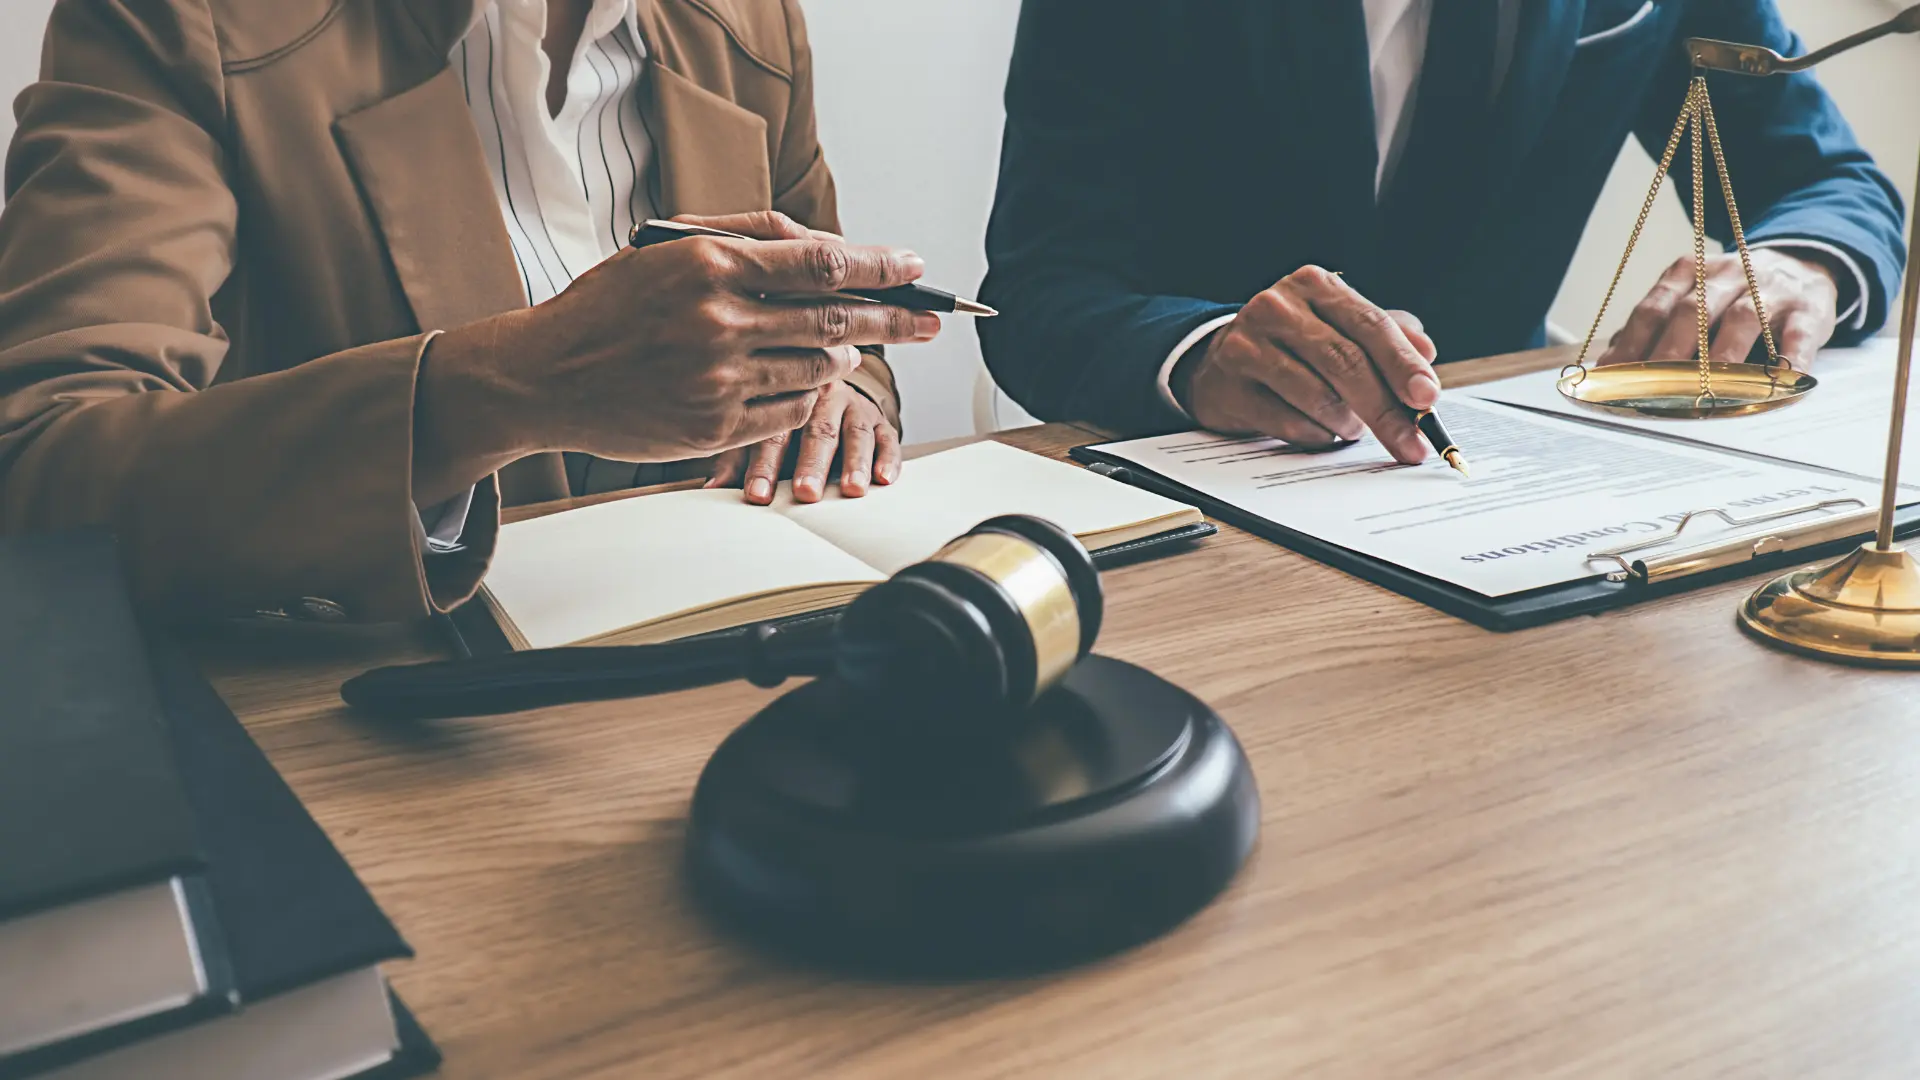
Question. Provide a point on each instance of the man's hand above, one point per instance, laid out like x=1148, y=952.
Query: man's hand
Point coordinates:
x=1313, y=362
x=659, y=354
x=844, y=425
x=1801, y=296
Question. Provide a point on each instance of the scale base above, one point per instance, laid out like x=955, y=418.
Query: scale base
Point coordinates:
x=1671, y=389
x=1118, y=808
x=1863, y=609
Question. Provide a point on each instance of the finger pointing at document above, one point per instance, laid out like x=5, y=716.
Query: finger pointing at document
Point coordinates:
x=1314, y=362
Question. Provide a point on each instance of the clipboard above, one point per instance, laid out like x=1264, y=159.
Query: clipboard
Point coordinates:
x=1787, y=543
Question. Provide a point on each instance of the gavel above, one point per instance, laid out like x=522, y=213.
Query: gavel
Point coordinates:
x=961, y=788
x=985, y=626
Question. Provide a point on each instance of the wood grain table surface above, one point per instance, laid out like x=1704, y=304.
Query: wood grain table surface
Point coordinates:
x=1630, y=845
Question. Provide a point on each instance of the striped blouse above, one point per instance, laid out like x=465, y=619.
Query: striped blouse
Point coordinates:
x=570, y=186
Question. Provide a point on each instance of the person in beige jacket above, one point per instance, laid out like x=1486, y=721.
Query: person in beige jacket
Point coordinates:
x=295, y=295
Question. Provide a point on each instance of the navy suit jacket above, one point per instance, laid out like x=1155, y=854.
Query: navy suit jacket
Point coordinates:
x=1166, y=160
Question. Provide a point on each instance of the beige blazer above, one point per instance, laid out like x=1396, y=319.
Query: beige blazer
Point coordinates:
x=230, y=226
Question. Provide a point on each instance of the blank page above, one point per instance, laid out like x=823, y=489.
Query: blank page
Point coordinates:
x=941, y=496
x=576, y=575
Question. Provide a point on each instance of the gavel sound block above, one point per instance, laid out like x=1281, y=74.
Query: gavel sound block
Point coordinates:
x=964, y=789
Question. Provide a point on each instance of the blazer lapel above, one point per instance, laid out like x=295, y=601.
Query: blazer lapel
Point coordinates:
x=1321, y=89
x=441, y=221
x=711, y=156
x=443, y=228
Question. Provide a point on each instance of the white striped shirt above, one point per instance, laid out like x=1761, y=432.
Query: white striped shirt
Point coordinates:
x=570, y=186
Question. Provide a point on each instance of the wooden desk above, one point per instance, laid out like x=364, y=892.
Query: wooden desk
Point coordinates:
x=1628, y=845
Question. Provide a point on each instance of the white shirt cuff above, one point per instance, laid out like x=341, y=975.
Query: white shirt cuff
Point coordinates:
x=445, y=523
x=1855, y=316
x=1179, y=351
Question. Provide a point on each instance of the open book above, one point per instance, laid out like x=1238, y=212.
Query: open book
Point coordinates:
x=666, y=566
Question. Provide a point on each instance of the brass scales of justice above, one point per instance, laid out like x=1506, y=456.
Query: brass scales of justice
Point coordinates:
x=1865, y=607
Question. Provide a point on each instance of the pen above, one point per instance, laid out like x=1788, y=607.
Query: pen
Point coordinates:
x=1436, y=433
x=916, y=296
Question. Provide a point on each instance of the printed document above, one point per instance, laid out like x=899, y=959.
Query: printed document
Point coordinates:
x=1841, y=425
x=1545, y=494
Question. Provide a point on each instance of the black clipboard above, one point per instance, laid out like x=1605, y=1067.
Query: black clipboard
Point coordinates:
x=1515, y=611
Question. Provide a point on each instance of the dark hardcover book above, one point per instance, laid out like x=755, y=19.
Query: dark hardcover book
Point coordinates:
x=294, y=915
x=105, y=921
x=290, y=907
x=89, y=800
x=303, y=936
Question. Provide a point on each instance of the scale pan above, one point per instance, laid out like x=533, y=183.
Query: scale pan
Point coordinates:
x=1671, y=388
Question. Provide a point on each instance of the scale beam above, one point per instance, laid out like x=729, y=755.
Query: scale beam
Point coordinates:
x=1711, y=55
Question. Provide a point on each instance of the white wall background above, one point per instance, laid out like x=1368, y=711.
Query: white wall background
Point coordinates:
x=909, y=99
x=908, y=93
x=21, y=24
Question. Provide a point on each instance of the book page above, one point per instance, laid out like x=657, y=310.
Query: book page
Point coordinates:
x=1545, y=493
x=1842, y=425
x=576, y=575
x=941, y=496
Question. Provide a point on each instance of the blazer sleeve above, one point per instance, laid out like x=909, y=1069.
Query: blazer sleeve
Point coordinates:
x=1078, y=336
x=118, y=230
x=804, y=191
x=1798, y=171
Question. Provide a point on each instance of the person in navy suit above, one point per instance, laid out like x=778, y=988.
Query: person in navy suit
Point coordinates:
x=1274, y=216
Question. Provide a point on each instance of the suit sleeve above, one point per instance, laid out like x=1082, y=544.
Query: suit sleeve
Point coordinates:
x=1798, y=172
x=1079, y=337
x=804, y=191
x=118, y=230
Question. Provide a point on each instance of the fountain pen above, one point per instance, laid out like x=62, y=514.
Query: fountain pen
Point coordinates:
x=916, y=296
x=1436, y=434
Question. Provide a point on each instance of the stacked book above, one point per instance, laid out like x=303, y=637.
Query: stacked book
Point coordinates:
x=168, y=909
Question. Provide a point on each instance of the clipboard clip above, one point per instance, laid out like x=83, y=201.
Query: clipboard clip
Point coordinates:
x=1726, y=551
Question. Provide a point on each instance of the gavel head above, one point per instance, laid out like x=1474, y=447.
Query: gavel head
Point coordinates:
x=988, y=624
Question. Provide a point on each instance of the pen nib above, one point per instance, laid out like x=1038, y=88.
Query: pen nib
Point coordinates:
x=1459, y=463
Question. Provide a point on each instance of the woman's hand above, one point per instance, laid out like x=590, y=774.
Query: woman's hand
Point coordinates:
x=845, y=426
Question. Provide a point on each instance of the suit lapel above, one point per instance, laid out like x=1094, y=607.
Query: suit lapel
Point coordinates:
x=1542, y=52
x=1309, y=66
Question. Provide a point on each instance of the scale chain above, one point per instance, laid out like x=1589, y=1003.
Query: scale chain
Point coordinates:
x=1696, y=120
x=1739, y=232
x=1700, y=239
x=1646, y=208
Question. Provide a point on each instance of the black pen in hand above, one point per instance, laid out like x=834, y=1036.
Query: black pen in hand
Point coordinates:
x=916, y=296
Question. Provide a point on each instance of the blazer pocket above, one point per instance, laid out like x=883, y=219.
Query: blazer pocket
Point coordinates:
x=1627, y=27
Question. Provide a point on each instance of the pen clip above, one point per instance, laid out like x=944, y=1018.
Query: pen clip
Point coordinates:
x=1627, y=569
x=681, y=227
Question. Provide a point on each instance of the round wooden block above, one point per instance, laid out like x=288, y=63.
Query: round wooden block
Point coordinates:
x=1120, y=807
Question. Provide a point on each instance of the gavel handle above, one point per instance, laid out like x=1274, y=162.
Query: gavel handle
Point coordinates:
x=766, y=655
